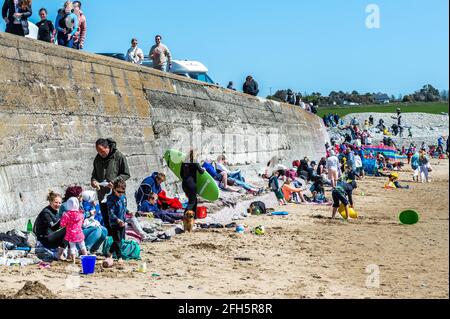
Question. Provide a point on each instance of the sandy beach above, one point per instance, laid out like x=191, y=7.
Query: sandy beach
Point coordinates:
x=303, y=255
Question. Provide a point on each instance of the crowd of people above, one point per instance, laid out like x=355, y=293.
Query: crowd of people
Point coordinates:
x=69, y=29
x=80, y=221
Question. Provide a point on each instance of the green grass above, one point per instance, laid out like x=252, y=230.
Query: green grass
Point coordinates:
x=433, y=108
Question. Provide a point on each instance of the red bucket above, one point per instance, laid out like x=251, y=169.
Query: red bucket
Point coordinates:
x=202, y=212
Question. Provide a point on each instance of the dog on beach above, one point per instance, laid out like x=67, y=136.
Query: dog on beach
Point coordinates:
x=188, y=221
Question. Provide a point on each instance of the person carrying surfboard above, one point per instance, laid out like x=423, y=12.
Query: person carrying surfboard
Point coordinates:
x=188, y=172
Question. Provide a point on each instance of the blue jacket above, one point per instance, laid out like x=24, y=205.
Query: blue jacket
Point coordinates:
x=415, y=161
x=74, y=18
x=210, y=169
x=117, y=208
x=87, y=207
x=147, y=186
x=147, y=207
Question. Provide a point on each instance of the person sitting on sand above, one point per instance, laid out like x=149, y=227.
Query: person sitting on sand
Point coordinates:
x=342, y=193
x=318, y=191
x=275, y=187
x=47, y=226
x=224, y=182
x=236, y=176
x=292, y=193
x=151, y=206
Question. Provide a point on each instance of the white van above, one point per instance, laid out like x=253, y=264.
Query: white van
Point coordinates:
x=190, y=69
x=34, y=30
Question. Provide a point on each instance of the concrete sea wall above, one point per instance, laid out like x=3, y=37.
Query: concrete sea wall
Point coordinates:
x=55, y=103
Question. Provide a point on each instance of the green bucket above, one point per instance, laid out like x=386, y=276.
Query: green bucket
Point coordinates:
x=409, y=217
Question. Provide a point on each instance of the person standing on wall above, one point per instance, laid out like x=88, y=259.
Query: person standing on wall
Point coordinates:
x=160, y=55
x=46, y=29
x=250, y=86
x=80, y=35
x=110, y=165
x=135, y=54
x=15, y=13
x=67, y=25
x=231, y=86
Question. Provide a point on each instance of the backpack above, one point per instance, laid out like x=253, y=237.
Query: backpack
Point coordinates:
x=130, y=249
x=256, y=207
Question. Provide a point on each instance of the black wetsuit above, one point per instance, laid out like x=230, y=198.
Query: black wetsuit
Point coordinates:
x=188, y=174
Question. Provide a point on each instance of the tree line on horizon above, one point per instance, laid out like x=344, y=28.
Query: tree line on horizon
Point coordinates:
x=427, y=93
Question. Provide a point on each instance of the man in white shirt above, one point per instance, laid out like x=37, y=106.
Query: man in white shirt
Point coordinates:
x=161, y=56
x=135, y=55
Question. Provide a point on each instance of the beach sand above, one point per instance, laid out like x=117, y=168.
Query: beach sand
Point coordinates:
x=303, y=255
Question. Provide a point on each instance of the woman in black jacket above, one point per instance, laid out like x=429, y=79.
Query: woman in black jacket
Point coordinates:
x=15, y=13
x=188, y=174
x=47, y=225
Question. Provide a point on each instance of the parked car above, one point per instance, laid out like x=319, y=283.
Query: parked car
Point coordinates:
x=119, y=56
x=190, y=69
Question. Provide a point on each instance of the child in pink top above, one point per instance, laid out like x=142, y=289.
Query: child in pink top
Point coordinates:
x=73, y=221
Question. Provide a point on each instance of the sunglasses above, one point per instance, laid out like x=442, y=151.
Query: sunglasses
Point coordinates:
x=120, y=191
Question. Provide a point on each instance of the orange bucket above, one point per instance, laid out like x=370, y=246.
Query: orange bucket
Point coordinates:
x=202, y=212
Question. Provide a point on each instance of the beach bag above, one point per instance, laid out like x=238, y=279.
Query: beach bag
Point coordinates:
x=256, y=207
x=130, y=249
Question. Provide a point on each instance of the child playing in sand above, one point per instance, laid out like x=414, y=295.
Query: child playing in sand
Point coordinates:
x=342, y=193
x=393, y=180
x=73, y=221
x=117, y=211
x=275, y=186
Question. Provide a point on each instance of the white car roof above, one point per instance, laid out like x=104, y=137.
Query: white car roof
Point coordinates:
x=188, y=66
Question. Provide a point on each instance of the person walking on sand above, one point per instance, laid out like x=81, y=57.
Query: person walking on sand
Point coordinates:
x=188, y=174
x=160, y=55
x=333, y=168
x=423, y=167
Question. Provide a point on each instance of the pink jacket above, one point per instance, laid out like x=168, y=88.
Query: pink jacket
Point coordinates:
x=80, y=35
x=73, y=221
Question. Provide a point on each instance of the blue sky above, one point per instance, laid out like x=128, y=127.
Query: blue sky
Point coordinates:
x=303, y=45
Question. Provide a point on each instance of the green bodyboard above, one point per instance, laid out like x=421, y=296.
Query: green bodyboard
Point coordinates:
x=206, y=185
